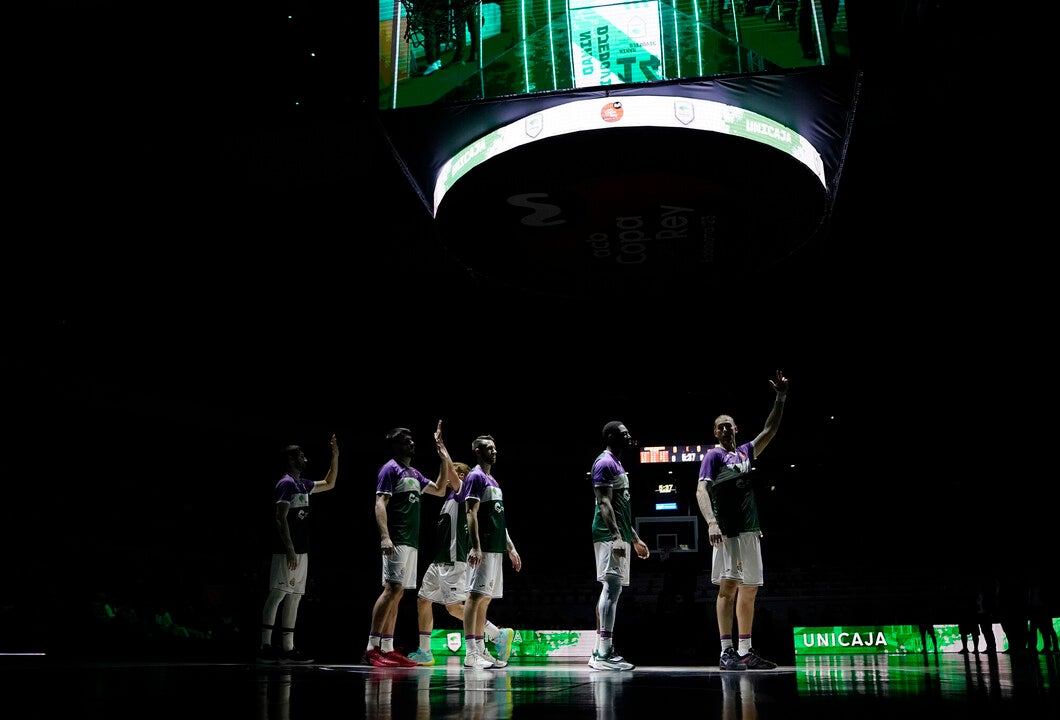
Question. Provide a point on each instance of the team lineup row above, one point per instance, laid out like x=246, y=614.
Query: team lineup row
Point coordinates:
x=467, y=572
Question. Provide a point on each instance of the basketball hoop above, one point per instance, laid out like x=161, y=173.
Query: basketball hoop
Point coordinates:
x=667, y=543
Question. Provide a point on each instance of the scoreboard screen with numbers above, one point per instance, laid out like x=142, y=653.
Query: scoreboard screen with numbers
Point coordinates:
x=615, y=43
x=673, y=453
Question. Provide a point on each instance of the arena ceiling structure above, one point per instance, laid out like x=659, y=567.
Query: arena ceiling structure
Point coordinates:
x=645, y=187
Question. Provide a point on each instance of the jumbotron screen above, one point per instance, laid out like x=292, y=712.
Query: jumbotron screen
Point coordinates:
x=436, y=51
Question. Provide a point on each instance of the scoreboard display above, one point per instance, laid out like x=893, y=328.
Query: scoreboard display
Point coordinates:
x=673, y=453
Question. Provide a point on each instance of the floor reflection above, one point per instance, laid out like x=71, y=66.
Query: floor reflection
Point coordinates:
x=738, y=696
x=274, y=695
x=607, y=691
x=865, y=687
x=995, y=676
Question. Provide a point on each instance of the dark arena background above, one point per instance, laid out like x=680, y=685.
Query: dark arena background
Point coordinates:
x=223, y=239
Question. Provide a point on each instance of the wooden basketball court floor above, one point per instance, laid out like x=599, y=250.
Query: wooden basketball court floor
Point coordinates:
x=861, y=687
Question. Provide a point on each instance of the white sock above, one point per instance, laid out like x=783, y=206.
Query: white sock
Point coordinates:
x=492, y=631
x=745, y=645
x=425, y=642
x=387, y=644
x=373, y=642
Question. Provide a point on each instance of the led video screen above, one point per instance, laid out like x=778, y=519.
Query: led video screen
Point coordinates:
x=437, y=51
